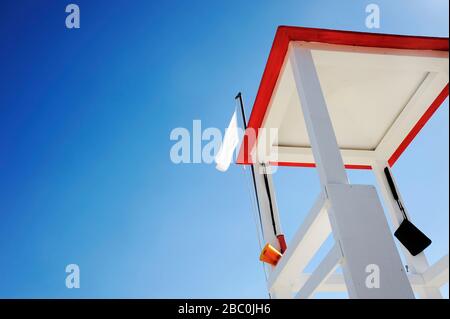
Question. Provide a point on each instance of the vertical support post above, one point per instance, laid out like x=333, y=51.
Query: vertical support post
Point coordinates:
x=357, y=219
x=281, y=292
x=268, y=207
x=416, y=264
x=276, y=214
x=265, y=196
x=318, y=123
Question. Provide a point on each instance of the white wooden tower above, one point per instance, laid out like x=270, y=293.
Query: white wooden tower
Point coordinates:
x=347, y=100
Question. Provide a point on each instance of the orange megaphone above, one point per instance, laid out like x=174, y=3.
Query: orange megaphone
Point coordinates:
x=270, y=255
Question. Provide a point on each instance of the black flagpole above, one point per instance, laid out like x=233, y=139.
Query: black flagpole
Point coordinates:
x=266, y=181
x=241, y=103
x=279, y=236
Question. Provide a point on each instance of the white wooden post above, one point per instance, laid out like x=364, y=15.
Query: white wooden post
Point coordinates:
x=283, y=291
x=322, y=273
x=264, y=204
x=314, y=230
x=356, y=216
x=269, y=235
x=318, y=123
x=416, y=264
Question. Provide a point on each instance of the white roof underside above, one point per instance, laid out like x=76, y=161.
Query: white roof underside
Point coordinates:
x=368, y=91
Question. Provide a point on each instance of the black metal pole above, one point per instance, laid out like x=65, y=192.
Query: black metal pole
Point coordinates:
x=241, y=103
x=266, y=181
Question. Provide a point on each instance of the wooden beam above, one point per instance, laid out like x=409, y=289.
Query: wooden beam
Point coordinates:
x=422, y=98
x=292, y=154
x=335, y=283
x=312, y=233
x=322, y=272
x=437, y=274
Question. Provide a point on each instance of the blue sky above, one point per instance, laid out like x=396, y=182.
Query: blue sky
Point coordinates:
x=85, y=118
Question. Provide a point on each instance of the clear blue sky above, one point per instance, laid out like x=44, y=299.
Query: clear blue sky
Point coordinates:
x=85, y=118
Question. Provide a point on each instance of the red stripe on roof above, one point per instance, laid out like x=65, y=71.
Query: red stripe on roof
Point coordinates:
x=277, y=54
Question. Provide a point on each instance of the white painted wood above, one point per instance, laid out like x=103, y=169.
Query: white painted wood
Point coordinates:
x=423, y=59
x=360, y=227
x=437, y=274
x=275, y=114
x=276, y=214
x=289, y=154
x=416, y=264
x=364, y=98
x=283, y=98
x=320, y=130
x=383, y=59
x=335, y=283
x=322, y=272
x=374, y=96
x=269, y=235
x=312, y=233
x=357, y=218
x=394, y=210
x=418, y=104
x=281, y=291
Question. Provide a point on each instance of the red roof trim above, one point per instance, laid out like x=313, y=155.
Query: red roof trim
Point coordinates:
x=349, y=166
x=285, y=34
x=419, y=125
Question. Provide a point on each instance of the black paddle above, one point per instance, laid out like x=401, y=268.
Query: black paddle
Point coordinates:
x=409, y=235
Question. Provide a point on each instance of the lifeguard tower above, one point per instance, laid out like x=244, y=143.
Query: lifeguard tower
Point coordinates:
x=347, y=100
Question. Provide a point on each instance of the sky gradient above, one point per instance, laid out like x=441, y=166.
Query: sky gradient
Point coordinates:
x=85, y=119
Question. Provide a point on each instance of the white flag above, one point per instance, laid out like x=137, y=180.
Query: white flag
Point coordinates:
x=230, y=141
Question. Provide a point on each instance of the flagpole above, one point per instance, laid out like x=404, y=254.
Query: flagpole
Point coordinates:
x=266, y=183
x=279, y=236
x=241, y=103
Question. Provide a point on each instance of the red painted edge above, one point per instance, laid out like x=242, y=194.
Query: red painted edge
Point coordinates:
x=311, y=165
x=419, y=125
x=282, y=242
x=280, y=45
